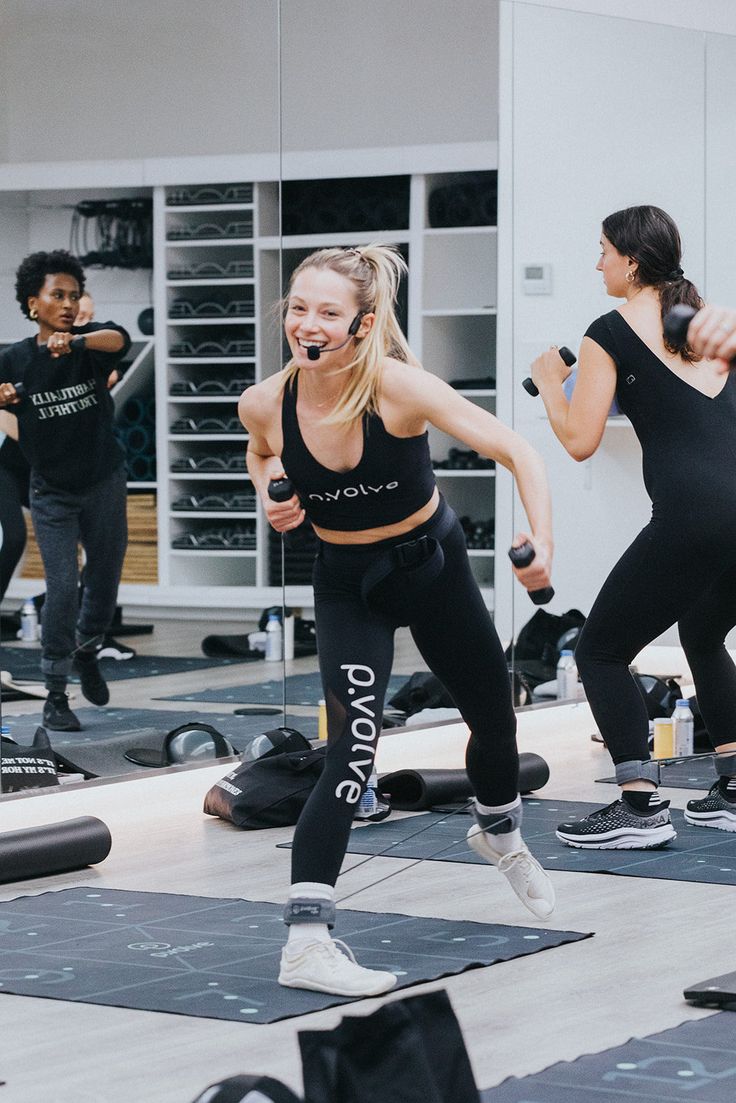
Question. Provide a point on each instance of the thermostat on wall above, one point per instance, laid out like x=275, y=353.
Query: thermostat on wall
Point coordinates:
x=537, y=279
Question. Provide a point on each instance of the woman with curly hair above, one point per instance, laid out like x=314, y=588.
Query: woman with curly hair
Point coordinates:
x=56, y=385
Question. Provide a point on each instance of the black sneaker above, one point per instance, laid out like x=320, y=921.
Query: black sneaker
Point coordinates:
x=58, y=716
x=94, y=686
x=112, y=649
x=712, y=811
x=618, y=827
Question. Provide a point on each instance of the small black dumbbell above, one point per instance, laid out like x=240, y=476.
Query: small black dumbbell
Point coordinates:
x=280, y=490
x=522, y=557
x=569, y=357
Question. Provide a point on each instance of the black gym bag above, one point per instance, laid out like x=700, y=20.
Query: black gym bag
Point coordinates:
x=270, y=791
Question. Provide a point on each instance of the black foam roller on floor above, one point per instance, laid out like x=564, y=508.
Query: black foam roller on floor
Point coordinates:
x=418, y=790
x=53, y=848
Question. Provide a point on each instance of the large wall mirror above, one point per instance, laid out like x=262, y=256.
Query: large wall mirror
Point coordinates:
x=253, y=137
x=259, y=131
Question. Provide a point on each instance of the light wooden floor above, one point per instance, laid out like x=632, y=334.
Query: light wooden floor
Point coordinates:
x=651, y=937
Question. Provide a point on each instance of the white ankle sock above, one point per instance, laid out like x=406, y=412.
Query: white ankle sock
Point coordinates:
x=310, y=932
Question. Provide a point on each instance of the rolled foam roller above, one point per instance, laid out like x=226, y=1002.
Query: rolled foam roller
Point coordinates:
x=53, y=848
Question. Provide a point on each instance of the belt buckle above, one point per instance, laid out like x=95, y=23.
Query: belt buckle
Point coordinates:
x=411, y=552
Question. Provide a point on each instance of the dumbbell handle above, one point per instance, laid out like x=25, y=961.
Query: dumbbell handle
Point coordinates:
x=530, y=386
x=522, y=557
x=280, y=490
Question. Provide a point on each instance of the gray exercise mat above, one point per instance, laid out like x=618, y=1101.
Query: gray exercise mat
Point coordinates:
x=698, y=854
x=683, y=773
x=694, y=1061
x=25, y=665
x=108, y=733
x=301, y=689
x=218, y=959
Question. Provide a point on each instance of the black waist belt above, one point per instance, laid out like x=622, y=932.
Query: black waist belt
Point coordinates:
x=416, y=561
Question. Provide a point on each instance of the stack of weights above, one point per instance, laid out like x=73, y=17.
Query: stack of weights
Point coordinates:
x=478, y=534
x=136, y=428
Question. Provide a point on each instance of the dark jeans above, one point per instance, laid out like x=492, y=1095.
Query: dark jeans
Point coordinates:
x=457, y=639
x=95, y=518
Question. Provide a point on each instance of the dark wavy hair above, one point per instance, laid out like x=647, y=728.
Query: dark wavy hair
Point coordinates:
x=650, y=236
x=32, y=272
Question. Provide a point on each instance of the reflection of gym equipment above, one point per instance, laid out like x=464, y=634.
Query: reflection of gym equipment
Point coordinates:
x=419, y=790
x=569, y=358
x=522, y=557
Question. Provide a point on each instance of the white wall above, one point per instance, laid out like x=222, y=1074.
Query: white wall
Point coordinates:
x=100, y=79
x=601, y=113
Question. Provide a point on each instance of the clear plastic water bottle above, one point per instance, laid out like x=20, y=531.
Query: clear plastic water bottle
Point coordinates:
x=274, y=639
x=28, y=622
x=567, y=677
x=682, y=729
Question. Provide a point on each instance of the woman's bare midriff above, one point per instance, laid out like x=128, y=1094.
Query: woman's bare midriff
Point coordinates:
x=384, y=532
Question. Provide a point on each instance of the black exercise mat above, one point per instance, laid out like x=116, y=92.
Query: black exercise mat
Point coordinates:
x=718, y=992
x=301, y=689
x=698, y=854
x=99, y=749
x=695, y=1061
x=683, y=773
x=24, y=663
x=219, y=959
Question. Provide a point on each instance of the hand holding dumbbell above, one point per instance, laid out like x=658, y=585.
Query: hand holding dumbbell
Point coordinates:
x=522, y=557
x=714, y=335
x=281, y=490
x=569, y=358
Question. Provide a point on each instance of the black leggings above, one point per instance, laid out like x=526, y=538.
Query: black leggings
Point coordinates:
x=666, y=576
x=457, y=639
x=13, y=496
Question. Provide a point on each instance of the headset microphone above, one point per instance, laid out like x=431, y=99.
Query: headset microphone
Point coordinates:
x=314, y=352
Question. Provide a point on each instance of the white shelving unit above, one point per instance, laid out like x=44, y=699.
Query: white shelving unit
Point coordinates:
x=214, y=289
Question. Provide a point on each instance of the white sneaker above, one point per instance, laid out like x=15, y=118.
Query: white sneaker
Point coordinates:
x=522, y=871
x=330, y=967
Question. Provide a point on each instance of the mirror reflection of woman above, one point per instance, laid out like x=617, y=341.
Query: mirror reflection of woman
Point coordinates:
x=682, y=567
x=346, y=421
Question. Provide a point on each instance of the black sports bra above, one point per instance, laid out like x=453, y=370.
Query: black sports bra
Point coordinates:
x=392, y=479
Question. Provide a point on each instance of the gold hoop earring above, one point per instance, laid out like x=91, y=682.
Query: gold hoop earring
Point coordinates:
x=33, y=314
x=630, y=276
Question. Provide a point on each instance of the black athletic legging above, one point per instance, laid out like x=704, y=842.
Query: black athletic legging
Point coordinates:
x=678, y=570
x=457, y=639
x=13, y=496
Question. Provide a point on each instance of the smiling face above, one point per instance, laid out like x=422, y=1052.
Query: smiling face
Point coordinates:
x=614, y=266
x=57, y=303
x=320, y=308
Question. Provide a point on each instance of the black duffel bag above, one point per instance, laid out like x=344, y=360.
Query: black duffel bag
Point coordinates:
x=269, y=791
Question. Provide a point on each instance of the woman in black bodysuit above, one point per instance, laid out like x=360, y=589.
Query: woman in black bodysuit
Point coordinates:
x=346, y=420
x=682, y=566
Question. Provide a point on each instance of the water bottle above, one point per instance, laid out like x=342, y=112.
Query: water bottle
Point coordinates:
x=28, y=622
x=274, y=639
x=567, y=677
x=682, y=729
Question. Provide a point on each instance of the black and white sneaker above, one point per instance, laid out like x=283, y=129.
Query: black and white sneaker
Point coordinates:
x=715, y=810
x=619, y=827
x=112, y=649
